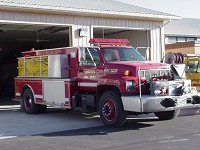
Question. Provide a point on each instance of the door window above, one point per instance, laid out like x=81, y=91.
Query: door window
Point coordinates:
x=89, y=57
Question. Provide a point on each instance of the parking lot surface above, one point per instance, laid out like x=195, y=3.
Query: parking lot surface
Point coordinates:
x=65, y=129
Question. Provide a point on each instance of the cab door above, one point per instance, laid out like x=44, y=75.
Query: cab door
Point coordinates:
x=90, y=68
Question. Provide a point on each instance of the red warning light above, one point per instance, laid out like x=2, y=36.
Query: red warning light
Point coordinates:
x=101, y=41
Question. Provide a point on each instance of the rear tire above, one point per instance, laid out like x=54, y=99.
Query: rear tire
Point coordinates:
x=111, y=109
x=167, y=115
x=28, y=104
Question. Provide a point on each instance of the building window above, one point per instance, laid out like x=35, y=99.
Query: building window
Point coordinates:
x=172, y=40
x=189, y=39
x=181, y=39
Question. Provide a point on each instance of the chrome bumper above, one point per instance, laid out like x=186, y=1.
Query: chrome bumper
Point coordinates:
x=152, y=103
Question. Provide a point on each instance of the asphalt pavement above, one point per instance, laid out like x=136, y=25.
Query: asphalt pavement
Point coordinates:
x=64, y=129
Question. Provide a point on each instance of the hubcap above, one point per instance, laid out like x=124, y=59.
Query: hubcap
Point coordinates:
x=27, y=102
x=109, y=109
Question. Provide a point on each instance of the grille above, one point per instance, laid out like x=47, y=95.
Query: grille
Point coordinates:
x=156, y=74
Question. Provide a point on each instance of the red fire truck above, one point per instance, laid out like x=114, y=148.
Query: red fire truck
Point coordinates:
x=110, y=77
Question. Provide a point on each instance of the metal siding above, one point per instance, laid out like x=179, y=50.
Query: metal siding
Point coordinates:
x=152, y=44
x=78, y=22
x=155, y=45
x=162, y=43
x=136, y=38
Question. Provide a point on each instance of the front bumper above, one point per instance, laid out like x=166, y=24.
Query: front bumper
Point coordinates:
x=152, y=103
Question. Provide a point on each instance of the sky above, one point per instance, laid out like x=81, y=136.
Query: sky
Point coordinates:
x=182, y=8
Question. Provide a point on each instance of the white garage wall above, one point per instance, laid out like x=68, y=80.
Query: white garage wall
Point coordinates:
x=136, y=38
x=77, y=22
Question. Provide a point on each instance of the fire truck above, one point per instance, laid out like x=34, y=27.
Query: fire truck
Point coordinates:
x=110, y=77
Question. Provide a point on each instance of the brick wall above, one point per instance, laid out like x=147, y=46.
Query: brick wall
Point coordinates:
x=183, y=47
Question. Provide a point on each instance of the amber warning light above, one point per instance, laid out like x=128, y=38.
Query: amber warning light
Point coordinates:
x=101, y=41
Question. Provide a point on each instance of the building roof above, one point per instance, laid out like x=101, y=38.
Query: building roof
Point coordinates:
x=103, y=7
x=185, y=27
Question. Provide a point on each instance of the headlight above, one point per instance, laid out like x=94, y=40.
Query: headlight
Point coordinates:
x=130, y=85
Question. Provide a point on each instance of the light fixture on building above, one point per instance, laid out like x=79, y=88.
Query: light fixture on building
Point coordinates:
x=83, y=32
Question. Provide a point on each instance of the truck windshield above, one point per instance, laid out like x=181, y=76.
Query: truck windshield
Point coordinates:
x=121, y=54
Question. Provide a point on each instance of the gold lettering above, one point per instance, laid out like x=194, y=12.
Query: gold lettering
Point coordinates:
x=90, y=72
x=111, y=70
x=86, y=77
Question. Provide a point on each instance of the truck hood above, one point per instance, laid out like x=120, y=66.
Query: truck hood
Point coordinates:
x=140, y=64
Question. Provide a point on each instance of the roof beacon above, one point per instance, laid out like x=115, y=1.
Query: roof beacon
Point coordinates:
x=101, y=41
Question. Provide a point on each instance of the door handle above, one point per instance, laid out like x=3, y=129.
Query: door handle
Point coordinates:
x=80, y=69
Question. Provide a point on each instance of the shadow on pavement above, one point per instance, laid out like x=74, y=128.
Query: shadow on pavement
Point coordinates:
x=7, y=101
x=102, y=130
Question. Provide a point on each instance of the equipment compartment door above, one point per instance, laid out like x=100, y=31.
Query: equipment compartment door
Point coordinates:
x=54, y=92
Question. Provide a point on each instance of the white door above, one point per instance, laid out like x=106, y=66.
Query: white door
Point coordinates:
x=54, y=92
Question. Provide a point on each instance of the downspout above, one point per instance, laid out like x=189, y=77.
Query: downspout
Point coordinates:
x=161, y=45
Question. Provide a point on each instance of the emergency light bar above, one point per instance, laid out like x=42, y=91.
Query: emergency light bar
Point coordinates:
x=100, y=41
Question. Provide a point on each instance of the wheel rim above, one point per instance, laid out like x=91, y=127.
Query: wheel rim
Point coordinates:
x=109, y=110
x=27, y=102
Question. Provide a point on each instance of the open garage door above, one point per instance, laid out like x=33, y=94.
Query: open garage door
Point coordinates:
x=139, y=39
x=15, y=38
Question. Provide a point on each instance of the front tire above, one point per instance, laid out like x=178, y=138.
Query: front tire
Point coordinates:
x=111, y=109
x=28, y=104
x=167, y=115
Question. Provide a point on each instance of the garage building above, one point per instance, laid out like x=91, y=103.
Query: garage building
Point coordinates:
x=27, y=24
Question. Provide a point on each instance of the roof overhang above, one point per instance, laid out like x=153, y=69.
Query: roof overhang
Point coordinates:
x=84, y=12
x=182, y=35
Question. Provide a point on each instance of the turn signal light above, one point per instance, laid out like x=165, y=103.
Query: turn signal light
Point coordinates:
x=127, y=73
